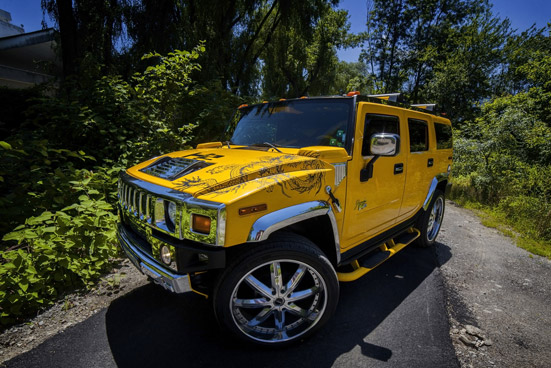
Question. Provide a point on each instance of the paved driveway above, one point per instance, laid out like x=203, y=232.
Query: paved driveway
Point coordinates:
x=392, y=317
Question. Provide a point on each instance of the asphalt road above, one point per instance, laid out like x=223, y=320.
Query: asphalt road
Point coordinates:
x=394, y=316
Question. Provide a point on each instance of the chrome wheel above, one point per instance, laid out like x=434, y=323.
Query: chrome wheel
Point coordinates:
x=278, y=301
x=435, y=218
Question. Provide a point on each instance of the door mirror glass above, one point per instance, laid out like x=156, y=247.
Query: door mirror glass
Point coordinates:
x=385, y=144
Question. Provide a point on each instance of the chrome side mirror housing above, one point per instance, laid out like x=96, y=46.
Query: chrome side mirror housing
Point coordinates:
x=384, y=144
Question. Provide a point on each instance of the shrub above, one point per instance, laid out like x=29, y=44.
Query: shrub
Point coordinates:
x=56, y=251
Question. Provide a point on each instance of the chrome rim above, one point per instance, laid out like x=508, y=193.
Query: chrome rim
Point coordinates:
x=278, y=301
x=435, y=218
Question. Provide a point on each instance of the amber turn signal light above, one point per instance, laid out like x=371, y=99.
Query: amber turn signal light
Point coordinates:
x=252, y=209
x=200, y=224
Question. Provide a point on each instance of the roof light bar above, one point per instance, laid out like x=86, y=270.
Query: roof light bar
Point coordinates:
x=392, y=97
x=429, y=107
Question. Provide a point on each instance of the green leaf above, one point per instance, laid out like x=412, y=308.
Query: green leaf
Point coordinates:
x=5, y=145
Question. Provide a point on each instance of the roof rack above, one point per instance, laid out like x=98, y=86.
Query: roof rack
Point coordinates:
x=428, y=107
x=392, y=97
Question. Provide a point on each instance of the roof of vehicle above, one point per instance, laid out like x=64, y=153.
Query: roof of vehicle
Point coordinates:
x=392, y=99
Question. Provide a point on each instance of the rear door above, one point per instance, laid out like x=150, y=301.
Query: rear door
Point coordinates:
x=420, y=163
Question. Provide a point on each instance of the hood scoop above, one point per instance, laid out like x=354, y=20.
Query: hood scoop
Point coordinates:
x=172, y=168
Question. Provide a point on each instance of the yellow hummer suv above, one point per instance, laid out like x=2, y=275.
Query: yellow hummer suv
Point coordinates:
x=306, y=193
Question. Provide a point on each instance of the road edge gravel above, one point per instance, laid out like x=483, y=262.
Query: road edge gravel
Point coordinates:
x=497, y=295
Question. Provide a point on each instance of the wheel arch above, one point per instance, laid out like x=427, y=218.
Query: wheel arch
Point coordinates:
x=439, y=182
x=313, y=220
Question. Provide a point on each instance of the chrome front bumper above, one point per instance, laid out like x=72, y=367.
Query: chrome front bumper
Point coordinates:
x=149, y=266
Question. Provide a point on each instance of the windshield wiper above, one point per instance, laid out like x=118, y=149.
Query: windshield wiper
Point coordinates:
x=228, y=144
x=266, y=144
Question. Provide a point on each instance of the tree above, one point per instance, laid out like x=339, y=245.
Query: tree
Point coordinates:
x=88, y=33
x=239, y=35
x=353, y=77
x=473, y=58
x=442, y=51
x=299, y=62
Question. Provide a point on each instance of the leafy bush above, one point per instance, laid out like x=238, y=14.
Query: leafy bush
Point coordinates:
x=502, y=160
x=119, y=120
x=56, y=251
x=59, y=167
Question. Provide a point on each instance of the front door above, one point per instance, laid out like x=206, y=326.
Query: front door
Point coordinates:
x=373, y=205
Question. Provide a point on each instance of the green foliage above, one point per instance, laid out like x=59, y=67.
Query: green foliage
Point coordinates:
x=35, y=177
x=59, y=168
x=298, y=63
x=241, y=37
x=115, y=119
x=55, y=251
x=474, y=52
x=435, y=51
x=503, y=161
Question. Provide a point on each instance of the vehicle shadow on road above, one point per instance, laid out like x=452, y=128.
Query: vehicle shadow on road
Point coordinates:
x=151, y=327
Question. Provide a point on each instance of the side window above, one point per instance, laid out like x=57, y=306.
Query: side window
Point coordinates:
x=378, y=124
x=418, y=135
x=443, y=136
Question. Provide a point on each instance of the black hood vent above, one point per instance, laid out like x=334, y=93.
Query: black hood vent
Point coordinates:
x=172, y=168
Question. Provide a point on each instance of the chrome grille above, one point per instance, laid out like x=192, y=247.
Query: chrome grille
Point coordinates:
x=145, y=203
x=135, y=201
x=172, y=168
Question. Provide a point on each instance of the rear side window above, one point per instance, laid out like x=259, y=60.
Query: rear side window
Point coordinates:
x=378, y=124
x=443, y=136
x=418, y=135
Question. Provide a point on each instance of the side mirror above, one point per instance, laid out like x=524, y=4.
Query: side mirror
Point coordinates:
x=382, y=144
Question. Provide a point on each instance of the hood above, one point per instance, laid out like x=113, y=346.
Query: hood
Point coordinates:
x=202, y=171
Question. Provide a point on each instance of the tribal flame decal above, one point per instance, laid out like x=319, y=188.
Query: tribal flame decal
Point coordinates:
x=270, y=170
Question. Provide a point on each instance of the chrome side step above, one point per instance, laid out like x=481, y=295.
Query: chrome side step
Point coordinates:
x=386, y=250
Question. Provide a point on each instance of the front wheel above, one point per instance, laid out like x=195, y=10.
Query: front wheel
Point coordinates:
x=431, y=220
x=278, y=293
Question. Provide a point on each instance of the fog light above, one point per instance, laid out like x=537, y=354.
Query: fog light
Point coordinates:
x=165, y=255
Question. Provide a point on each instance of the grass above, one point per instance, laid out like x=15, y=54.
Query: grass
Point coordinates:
x=515, y=227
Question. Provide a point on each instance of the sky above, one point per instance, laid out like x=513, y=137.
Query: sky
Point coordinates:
x=522, y=14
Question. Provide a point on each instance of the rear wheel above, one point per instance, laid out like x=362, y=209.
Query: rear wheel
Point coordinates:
x=431, y=220
x=277, y=293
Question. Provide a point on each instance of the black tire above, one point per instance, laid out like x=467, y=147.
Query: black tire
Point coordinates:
x=251, y=302
x=430, y=221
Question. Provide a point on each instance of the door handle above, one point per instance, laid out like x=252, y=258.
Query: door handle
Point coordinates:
x=398, y=168
x=430, y=162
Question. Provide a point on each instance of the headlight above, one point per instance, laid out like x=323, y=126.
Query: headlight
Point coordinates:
x=171, y=212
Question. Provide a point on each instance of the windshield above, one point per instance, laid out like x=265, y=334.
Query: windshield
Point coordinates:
x=297, y=123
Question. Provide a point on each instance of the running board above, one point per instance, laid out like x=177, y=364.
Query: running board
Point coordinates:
x=388, y=249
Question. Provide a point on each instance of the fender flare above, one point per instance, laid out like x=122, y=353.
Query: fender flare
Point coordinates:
x=433, y=184
x=271, y=222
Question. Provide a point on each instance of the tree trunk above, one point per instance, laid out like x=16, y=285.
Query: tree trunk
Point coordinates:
x=69, y=36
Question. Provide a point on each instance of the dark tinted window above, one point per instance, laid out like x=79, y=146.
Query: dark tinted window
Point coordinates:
x=295, y=123
x=443, y=136
x=418, y=135
x=378, y=124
